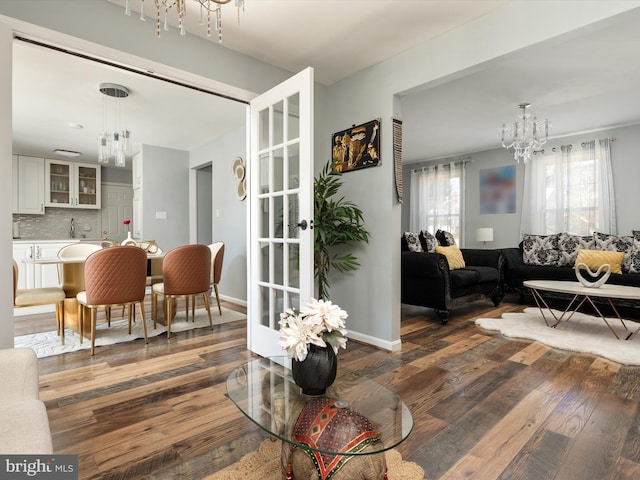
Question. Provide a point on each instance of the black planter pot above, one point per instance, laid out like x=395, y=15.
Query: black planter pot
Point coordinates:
x=316, y=372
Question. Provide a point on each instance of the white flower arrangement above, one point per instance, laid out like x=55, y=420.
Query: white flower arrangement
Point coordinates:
x=318, y=323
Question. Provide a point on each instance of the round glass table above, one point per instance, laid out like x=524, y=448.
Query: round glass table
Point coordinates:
x=357, y=417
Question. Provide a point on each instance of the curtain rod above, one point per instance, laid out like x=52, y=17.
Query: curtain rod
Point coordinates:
x=582, y=145
x=441, y=164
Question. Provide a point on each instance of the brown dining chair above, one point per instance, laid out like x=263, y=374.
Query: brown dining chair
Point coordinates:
x=30, y=297
x=113, y=276
x=217, y=256
x=186, y=272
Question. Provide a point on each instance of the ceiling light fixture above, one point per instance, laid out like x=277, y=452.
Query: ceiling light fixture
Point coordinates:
x=66, y=153
x=527, y=135
x=116, y=142
x=207, y=7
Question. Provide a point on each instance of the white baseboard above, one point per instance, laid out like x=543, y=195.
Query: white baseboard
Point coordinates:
x=226, y=298
x=394, y=346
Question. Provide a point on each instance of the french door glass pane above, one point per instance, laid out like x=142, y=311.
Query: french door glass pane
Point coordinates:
x=293, y=118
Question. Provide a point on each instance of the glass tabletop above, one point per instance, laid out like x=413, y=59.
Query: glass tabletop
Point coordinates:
x=265, y=392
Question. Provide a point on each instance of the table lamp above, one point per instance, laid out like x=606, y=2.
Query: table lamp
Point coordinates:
x=484, y=235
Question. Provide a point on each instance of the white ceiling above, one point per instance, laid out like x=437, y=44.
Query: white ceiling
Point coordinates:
x=583, y=82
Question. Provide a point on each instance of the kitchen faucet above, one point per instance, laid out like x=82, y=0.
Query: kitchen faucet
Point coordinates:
x=72, y=230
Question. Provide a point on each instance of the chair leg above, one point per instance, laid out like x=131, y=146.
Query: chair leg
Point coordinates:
x=193, y=308
x=215, y=289
x=60, y=316
x=168, y=307
x=144, y=324
x=93, y=331
x=81, y=320
x=107, y=312
x=130, y=317
x=205, y=296
x=154, y=307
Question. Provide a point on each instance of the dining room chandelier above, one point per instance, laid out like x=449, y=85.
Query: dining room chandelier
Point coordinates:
x=115, y=140
x=525, y=135
x=207, y=8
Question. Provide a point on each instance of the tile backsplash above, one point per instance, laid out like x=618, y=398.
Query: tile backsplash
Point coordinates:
x=56, y=223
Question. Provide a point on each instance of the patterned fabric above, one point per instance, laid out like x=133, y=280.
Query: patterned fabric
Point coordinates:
x=413, y=242
x=615, y=243
x=429, y=242
x=634, y=264
x=568, y=246
x=596, y=258
x=445, y=238
x=453, y=255
x=326, y=424
x=540, y=249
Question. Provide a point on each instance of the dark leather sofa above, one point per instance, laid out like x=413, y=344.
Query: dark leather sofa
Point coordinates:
x=428, y=282
x=516, y=272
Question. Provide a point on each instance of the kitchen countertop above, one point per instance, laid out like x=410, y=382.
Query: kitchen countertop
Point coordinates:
x=55, y=240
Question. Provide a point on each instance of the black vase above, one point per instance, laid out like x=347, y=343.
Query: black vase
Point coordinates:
x=316, y=372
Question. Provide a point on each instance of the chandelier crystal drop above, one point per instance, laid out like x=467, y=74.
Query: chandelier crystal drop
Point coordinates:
x=114, y=142
x=525, y=135
x=207, y=7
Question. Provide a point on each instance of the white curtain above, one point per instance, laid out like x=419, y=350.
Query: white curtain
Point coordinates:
x=570, y=191
x=437, y=199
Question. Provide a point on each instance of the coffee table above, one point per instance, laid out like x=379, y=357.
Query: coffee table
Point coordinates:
x=265, y=392
x=582, y=294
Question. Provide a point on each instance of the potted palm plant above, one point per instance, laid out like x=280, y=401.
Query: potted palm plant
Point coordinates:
x=337, y=222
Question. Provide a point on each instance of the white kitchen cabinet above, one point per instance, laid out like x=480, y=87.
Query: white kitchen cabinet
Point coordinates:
x=32, y=275
x=29, y=185
x=72, y=185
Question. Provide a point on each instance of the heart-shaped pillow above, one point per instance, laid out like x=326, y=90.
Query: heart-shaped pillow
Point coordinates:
x=605, y=267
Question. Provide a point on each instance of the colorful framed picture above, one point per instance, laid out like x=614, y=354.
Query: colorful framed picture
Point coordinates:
x=498, y=190
x=357, y=147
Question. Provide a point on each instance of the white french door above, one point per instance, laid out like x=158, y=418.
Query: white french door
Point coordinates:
x=280, y=208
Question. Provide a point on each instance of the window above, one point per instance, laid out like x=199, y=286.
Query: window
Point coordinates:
x=437, y=199
x=570, y=191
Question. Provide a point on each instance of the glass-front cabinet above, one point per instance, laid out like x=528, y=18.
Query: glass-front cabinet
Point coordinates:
x=72, y=185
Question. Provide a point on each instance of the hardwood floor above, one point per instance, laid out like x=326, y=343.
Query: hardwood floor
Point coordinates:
x=484, y=407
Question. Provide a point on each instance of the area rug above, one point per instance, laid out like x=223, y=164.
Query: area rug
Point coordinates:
x=264, y=464
x=46, y=344
x=582, y=333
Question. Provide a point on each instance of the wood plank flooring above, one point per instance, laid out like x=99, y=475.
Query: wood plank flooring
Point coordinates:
x=484, y=407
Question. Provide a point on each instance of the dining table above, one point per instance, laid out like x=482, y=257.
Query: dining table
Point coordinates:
x=71, y=273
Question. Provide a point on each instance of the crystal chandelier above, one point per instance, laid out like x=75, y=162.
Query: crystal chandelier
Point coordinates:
x=207, y=7
x=526, y=134
x=114, y=142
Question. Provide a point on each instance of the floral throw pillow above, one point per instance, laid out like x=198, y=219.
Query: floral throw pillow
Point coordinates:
x=445, y=238
x=540, y=249
x=568, y=246
x=429, y=242
x=634, y=264
x=413, y=242
x=615, y=243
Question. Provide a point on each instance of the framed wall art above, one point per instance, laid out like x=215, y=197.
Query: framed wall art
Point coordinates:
x=357, y=147
x=498, y=190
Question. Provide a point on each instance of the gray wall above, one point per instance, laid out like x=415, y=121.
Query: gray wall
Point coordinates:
x=165, y=188
x=204, y=201
x=229, y=213
x=506, y=227
x=117, y=174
